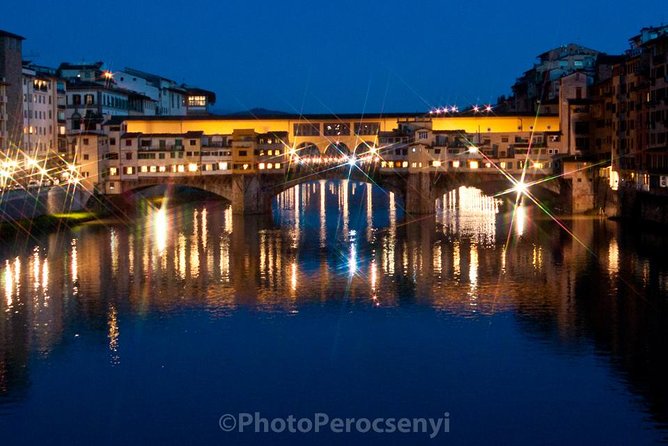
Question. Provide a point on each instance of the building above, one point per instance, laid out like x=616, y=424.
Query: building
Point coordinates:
x=93, y=96
x=44, y=125
x=167, y=94
x=538, y=88
x=655, y=49
x=199, y=101
x=11, y=69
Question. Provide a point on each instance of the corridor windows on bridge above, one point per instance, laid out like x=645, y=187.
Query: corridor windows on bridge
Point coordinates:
x=367, y=128
x=337, y=129
x=129, y=170
x=307, y=129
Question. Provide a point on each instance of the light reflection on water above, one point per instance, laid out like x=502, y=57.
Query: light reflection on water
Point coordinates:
x=332, y=242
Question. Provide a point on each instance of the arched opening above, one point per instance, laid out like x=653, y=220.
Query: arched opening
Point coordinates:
x=338, y=208
x=366, y=148
x=170, y=193
x=307, y=150
x=337, y=150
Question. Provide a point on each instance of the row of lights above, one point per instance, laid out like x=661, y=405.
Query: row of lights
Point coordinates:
x=454, y=109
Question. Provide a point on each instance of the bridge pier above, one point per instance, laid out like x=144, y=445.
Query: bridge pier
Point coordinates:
x=419, y=194
x=249, y=197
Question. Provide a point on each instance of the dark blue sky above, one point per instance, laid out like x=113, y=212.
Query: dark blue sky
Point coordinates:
x=340, y=56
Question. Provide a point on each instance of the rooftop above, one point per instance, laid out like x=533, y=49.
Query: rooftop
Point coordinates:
x=11, y=35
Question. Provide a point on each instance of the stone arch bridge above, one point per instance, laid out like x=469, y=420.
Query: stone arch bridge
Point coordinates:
x=253, y=193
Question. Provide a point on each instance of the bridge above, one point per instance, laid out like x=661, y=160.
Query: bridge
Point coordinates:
x=249, y=160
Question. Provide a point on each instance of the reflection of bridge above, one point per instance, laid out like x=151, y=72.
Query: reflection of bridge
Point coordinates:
x=249, y=161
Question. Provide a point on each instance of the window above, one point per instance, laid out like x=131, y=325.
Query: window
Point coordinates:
x=367, y=128
x=337, y=129
x=196, y=101
x=128, y=142
x=243, y=153
x=113, y=171
x=85, y=141
x=112, y=141
x=128, y=156
x=76, y=99
x=193, y=142
x=129, y=170
x=85, y=157
x=307, y=129
x=89, y=99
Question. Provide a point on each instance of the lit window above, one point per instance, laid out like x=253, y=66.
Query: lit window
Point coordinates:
x=246, y=166
x=436, y=164
x=277, y=165
x=192, y=167
x=502, y=164
x=404, y=164
x=196, y=101
x=129, y=170
x=181, y=168
x=261, y=166
x=270, y=166
x=154, y=169
x=222, y=166
x=455, y=164
x=162, y=168
x=144, y=169
x=113, y=171
x=474, y=164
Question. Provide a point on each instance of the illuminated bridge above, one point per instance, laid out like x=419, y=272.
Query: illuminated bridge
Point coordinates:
x=250, y=160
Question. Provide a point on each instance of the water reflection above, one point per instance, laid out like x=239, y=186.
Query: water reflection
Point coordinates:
x=458, y=263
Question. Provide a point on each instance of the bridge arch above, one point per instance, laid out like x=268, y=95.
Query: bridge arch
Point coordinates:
x=307, y=150
x=220, y=186
x=337, y=150
x=365, y=147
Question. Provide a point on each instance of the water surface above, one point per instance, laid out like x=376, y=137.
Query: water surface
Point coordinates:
x=150, y=329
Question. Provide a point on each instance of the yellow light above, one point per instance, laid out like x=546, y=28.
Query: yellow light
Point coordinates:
x=293, y=151
x=436, y=164
x=537, y=165
x=502, y=164
x=270, y=165
x=222, y=166
x=192, y=167
x=277, y=165
x=521, y=187
x=404, y=164
x=474, y=164
x=473, y=149
x=261, y=166
x=71, y=167
x=108, y=75
x=455, y=164
x=181, y=168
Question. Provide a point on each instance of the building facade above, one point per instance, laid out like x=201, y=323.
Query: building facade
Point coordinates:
x=11, y=69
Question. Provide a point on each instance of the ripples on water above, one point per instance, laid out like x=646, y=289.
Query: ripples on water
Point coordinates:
x=344, y=257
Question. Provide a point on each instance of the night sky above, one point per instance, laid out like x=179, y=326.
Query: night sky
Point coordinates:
x=336, y=56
